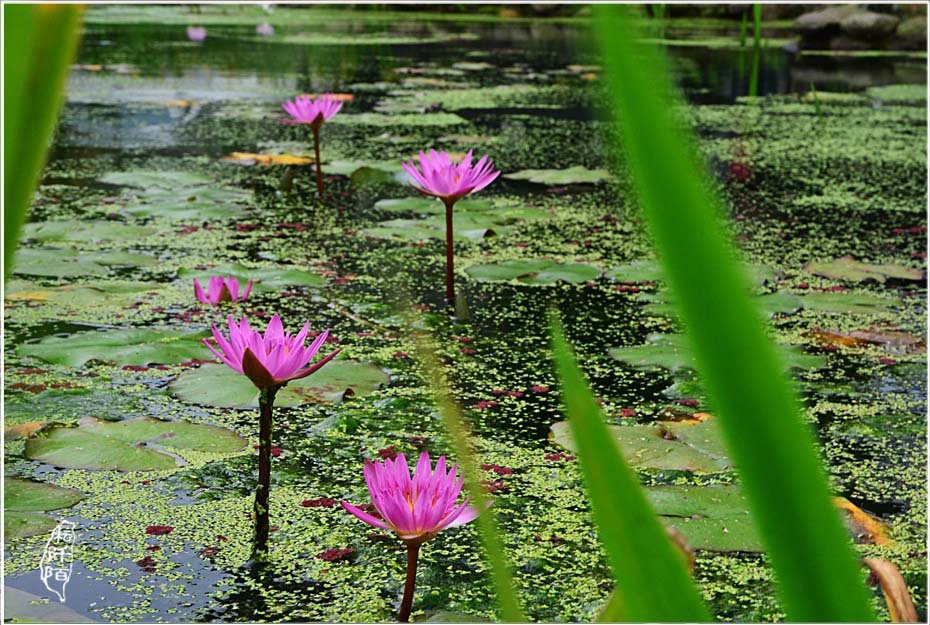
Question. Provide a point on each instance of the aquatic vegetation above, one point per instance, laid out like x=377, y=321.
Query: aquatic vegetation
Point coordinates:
x=269, y=361
x=416, y=508
x=440, y=177
x=221, y=289
x=313, y=111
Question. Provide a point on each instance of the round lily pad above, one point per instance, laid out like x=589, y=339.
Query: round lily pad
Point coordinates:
x=266, y=278
x=653, y=447
x=122, y=347
x=651, y=271
x=218, y=385
x=189, y=204
x=70, y=263
x=428, y=206
x=572, y=175
x=25, y=501
x=104, y=293
x=842, y=302
x=534, y=271
x=144, y=179
x=140, y=444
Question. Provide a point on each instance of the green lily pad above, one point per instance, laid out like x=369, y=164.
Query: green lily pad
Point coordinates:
x=87, y=231
x=572, y=175
x=847, y=268
x=121, y=347
x=23, y=607
x=700, y=449
x=24, y=503
x=189, y=204
x=266, y=278
x=114, y=294
x=534, y=271
x=71, y=263
x=132, y=445
x=167, y=180
x=471, y=222
x=712, y=518
x=389, y=121
x=218, y=385
x=671, y=351
x=430, y=206
x=856, y=303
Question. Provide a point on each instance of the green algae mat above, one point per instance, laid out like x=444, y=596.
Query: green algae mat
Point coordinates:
x=119, y=419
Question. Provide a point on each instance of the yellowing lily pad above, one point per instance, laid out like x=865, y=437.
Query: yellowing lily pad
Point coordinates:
x=248, y=158
x=218, y=385
x=140, y=444
x=121, y=347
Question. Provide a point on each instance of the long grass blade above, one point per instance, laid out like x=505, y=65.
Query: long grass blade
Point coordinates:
x=468, y=464
x=818, y=577
x=652, y=582
x=39, y=42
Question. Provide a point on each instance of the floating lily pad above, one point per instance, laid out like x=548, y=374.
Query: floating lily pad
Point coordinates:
x=167, y=180
x=266, y=278
x=847, y=268
x=24, y=503
x=857, y=303
x=660, y=447
x=534, y=271
x=249, y=158
x=90, y=231
x=189, y=204
x=71, y=263
x=671, y=351
x=140, y=444
x=572, y=175
x=471, y=222
x=430, y=206
x=712, y=518
x=218, y=385
x=121, y=347
x=110, y=293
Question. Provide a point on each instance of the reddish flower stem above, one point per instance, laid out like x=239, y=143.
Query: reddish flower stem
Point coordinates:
x=319, y=166
x=413, y=552
x=260, y=507
x=450, y=254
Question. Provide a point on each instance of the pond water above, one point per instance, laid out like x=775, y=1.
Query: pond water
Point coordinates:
x=141, y=194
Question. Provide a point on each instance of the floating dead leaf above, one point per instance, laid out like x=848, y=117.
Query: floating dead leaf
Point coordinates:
x=23, y=430
x=88, y=67
x=178, y=103
x=249, y=158
x=898, y=341
x=339, y=97
x=682, y=545
x=455, y=157
x=900, y=606
x=865, y=528
x=589, y=76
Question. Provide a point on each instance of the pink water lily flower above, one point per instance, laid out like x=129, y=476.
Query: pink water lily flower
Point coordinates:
x=312, y=110
x=196, y=33
x=416, y=508
x=439, y=176
x=270, y=360
x=221, y=289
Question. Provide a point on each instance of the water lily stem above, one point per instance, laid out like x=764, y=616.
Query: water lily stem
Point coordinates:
x=450, y=255
x=413, y=552
x=319, y=166
x=260, y=508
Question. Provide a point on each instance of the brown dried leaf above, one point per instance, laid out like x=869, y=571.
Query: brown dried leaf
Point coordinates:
x=897, y=597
